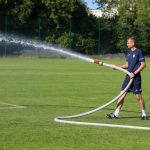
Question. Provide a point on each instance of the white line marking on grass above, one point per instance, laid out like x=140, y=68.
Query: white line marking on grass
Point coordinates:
x=10, y=106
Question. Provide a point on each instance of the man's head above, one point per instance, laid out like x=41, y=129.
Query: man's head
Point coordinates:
x=131, y=42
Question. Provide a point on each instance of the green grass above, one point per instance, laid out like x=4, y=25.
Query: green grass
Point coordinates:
x=54, y=87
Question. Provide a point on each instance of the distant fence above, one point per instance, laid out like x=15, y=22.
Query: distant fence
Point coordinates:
x=70, y=36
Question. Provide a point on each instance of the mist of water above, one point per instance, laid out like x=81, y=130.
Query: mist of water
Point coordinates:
x=41, y=45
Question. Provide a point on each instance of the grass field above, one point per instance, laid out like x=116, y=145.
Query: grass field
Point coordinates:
x=55, y=87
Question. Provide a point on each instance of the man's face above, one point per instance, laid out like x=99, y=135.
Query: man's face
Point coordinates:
x=130, y=43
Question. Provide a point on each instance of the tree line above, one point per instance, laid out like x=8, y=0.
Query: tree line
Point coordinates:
x=70, y=24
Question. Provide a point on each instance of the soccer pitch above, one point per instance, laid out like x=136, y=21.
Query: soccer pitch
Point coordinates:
x=63, y=87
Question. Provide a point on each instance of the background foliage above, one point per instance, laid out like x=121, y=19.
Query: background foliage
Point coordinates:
x=68, y=23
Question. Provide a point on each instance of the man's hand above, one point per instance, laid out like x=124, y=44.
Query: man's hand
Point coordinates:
x=132, y=75
x=114, y=67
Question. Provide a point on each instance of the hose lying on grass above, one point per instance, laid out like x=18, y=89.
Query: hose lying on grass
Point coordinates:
x=62, y=119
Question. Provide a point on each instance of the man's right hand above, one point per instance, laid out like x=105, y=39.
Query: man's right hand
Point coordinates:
x=114, y=67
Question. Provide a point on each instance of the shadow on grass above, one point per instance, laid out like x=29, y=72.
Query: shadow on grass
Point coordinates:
x=132, y=117
x=89, y=107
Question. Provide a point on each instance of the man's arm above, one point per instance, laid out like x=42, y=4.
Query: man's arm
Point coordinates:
x=125, y=66
x=142, y=66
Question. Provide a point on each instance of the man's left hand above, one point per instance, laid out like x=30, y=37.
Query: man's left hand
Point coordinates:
x=131, y=75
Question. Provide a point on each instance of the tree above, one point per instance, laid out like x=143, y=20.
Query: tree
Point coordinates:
x=133, y=19
x=21, y=9
x=66, y=23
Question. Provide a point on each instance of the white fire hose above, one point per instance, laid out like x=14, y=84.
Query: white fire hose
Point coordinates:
x=62, y=119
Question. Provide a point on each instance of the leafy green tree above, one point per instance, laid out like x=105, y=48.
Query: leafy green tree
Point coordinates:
x=133, y=19
x=66, y=23
x=21, y=9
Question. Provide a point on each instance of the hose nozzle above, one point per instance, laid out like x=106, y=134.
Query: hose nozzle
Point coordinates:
x=96, y=61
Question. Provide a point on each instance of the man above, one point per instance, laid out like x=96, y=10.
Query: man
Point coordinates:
x=135, y=64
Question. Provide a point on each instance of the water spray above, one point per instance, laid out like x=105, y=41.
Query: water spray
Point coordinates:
x=63, y=119
x=41, y=45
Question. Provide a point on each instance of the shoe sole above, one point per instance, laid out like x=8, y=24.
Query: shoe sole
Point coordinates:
x=109, y=117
